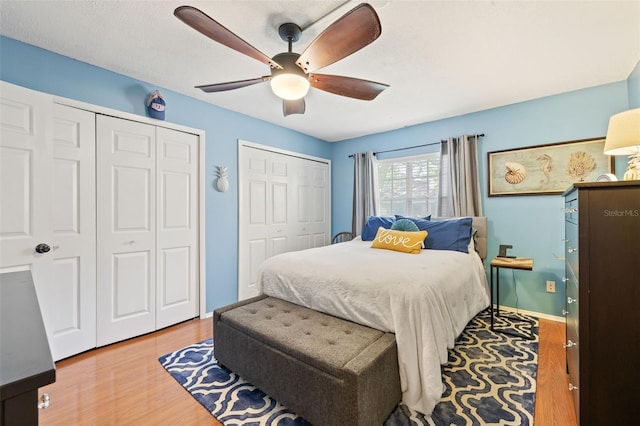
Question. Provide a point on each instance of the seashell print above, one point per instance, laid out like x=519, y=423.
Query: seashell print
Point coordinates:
x=516, y=172
x=580, y=165
x=546, y=165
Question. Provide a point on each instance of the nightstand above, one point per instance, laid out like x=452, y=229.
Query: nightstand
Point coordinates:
x=523, y=263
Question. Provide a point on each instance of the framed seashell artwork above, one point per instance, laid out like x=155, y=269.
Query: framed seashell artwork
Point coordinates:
x=546, y=169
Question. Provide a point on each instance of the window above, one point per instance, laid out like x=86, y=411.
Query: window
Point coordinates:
x=409, y=186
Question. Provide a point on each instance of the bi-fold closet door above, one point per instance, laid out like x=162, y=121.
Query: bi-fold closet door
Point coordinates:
x=284, y=205
x=147, y=247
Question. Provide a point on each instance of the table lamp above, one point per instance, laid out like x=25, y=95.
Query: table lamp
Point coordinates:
x=623, y=138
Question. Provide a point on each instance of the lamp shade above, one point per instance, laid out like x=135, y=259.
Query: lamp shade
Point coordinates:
x=290, y=82
x=289, y=86
x=623, y=135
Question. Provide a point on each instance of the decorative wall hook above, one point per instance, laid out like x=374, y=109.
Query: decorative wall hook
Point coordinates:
x=222, y=184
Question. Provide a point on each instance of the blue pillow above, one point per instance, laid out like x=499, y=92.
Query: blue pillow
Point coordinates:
x=447, y=234
x=373, y=223
x=404, y=225
x=398, y=217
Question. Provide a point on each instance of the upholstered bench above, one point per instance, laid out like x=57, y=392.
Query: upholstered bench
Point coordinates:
x=328, y=370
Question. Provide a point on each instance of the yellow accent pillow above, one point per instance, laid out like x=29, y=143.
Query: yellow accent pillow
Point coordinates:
x=404, y=241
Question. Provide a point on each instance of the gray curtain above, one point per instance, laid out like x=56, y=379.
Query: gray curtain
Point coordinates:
x=459, y=193
x=365, y=190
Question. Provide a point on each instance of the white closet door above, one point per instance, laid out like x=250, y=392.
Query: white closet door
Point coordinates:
x=177, y=227
x=68, y=298
x=312, y=212
x=284, y=206
x=126, y=219
x=253, y=209
x=280, y=203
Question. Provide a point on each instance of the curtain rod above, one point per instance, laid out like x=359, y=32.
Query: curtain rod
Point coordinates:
x=479, y=135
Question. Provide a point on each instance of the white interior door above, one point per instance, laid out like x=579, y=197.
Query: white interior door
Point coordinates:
x=26, y=154
x=177, y=227
x=126, y=219
x=47, y=197
x=284, y=206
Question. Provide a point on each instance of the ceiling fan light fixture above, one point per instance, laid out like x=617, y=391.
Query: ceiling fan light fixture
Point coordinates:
x=290, y=82
x=290, y=86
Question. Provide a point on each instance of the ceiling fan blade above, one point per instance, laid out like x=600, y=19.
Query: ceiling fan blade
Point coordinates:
x=293, y=107
x=203, y=23
x=347, y=86
x=353, y=31
x=221, y=87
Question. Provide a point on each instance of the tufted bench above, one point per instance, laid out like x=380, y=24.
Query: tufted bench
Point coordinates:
x=328, y=370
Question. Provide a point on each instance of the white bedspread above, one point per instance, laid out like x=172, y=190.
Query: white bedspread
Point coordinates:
x=426, y=299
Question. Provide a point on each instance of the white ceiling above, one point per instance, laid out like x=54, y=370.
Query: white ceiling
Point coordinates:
x=440, y=58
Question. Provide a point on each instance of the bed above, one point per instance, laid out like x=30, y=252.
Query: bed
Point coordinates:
x=426, y=299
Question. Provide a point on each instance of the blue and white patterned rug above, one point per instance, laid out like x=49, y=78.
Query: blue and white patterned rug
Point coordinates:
x=490, y=379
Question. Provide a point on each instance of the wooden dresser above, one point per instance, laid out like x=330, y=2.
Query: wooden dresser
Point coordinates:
x=602, y=274
x=25, y=358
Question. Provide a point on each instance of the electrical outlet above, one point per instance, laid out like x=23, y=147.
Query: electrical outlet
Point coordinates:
x=551, y=286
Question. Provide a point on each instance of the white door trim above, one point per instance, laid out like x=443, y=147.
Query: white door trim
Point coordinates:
x=268, y=148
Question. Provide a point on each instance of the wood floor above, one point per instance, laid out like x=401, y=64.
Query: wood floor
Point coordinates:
x=124, y=384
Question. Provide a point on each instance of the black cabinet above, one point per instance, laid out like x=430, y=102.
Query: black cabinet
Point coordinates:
x=602, y=276
x=25, y=357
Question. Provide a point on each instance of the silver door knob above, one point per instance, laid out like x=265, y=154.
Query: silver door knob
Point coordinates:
x=43, y=248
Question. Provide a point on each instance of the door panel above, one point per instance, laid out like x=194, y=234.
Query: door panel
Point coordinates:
x=132, y=199
x=177, y=232
x=126, y=218
x=132, y=286
x=15, y=167
x=25, y=161
x=69, y=304
x=254, y=212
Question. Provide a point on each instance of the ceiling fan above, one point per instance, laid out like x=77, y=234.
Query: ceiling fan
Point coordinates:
x=293, y=73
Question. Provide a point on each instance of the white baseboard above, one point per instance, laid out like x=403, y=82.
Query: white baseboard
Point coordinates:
x=533, y=314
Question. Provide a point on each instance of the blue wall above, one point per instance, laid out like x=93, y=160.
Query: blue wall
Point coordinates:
x=533, y=224
x=38, y=69
x=634, y=87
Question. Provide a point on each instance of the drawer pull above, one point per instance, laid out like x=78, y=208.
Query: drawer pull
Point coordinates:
x=570, y=300
x=44, y=401
x=572, y=250
x=565, y=279
x=570, y=210
x=565, y=312
x=572, y=388
x=569, y=344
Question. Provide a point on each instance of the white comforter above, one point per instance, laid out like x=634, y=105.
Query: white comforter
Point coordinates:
x=426, y=299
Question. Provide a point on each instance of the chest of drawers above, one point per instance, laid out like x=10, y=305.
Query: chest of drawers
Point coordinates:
x=602, y=276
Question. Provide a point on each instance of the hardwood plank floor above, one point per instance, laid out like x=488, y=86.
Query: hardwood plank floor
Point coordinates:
x=124, y=384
